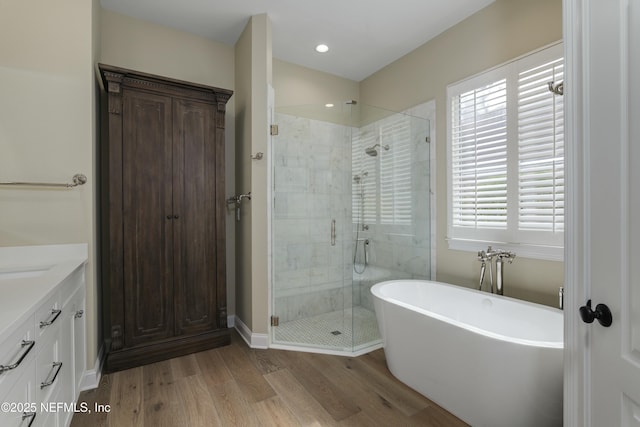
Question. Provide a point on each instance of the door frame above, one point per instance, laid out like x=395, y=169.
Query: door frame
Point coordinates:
x=577, y=384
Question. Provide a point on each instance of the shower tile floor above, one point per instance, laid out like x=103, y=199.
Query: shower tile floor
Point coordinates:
x=321, y=331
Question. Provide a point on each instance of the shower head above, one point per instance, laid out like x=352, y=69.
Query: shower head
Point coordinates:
x=371, y=151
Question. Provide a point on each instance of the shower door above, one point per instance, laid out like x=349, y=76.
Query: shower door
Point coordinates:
x=350, y=208
x=311, y=229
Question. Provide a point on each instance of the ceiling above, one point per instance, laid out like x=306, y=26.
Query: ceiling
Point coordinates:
x=363, y=35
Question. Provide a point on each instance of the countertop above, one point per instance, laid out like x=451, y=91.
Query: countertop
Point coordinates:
x=29, y=275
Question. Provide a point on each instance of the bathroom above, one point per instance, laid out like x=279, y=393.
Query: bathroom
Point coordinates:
x=59, y=72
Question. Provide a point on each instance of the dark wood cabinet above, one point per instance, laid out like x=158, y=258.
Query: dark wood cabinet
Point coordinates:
x=162, y=217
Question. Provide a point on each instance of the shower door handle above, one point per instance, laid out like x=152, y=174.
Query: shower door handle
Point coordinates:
x=333, y=232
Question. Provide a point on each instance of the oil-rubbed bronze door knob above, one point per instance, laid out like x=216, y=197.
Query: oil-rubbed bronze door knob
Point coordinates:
x=602, y=313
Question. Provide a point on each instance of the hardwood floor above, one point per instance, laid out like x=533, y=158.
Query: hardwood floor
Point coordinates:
x=239, y=386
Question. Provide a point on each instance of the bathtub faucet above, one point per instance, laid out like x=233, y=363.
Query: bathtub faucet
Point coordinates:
x=501, y=256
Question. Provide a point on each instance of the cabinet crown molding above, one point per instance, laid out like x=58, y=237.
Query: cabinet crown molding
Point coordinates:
x=113, y=78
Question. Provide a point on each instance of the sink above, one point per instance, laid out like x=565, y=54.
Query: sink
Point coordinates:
x=22, y=272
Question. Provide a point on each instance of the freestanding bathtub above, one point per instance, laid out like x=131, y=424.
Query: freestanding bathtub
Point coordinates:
x=490, y=360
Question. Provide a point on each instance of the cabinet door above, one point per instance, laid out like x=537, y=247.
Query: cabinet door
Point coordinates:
x=24, y=408
x=72, y=349
x=195, y=198
x=65, y=390
x=147, y=216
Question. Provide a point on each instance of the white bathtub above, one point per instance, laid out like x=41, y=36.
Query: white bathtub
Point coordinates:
x=490, y=360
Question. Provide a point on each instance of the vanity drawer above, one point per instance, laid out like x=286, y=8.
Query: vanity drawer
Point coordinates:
x=15, y=354
x=48, y=316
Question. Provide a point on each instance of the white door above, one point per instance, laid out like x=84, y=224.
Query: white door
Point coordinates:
x=602, y=386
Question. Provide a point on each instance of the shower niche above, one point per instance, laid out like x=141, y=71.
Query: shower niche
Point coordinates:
x=350, y=208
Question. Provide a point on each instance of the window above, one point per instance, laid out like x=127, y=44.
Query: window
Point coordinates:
x=506, y=158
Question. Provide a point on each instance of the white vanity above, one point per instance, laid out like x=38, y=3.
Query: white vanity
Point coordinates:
x=42, y=333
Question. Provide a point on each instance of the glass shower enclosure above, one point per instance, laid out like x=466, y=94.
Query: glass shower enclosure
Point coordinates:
x=350, y=208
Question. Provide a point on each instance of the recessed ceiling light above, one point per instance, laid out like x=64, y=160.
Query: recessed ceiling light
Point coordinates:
x=322, y=48
x=328, y=105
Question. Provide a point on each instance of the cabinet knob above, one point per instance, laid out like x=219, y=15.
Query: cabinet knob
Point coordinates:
x=169, y=217
x=78, y=314
x=176, y=216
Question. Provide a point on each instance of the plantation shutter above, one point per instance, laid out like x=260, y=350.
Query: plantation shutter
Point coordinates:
x=479, y=157
x=506, y=158
x=395, y=171
x=540, y=149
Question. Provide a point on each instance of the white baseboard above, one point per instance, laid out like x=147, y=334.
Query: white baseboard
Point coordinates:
x=253, y=340
x=91, y=377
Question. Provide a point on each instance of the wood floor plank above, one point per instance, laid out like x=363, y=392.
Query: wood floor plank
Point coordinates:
x=377, y=359
x=435, y=416
x=364, y=419
x=212, y=367
x=232, y=405
x=185, y=366
x=307, y=410
x=127, y=406
x=335, y=400
x=156, y=376
x=266, y=361
x=273, y=412
x=387, y=386
x=100, y=395
x=367, y=397
x=198, y=407
x=162, y=402
x=245, y=373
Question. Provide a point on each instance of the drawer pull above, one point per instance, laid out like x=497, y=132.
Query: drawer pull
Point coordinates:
x=52, y=318
x=79, y=314
x=31, y=415
x=29, y=345
x=55, y=367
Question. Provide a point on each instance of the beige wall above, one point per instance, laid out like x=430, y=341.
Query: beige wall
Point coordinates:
x=143, y=46
x=254, y=75
x=261, y=79
x=243, y=174
x=502, y=31
x=47, y=129
x=296, y=85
